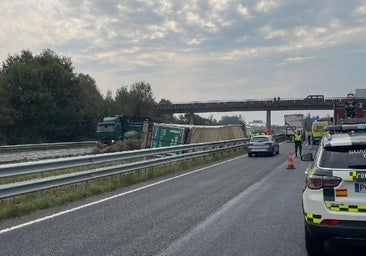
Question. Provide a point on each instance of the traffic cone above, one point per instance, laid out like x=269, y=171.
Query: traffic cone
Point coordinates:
x=290, y=161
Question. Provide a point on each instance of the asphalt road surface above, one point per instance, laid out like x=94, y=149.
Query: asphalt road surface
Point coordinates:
x=242, y=206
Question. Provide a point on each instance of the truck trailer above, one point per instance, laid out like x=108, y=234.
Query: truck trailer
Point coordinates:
x=174, y=134
x=294, y=123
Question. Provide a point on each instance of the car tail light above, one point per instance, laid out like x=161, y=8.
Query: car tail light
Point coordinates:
x=319, y=182
x=330, y=222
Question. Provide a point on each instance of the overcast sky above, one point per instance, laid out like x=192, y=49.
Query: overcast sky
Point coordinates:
x=200, y=50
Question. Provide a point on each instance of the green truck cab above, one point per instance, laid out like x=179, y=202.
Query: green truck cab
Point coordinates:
x=113, y=128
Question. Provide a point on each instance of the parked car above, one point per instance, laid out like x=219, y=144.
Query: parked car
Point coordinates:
x=263, y=144
x=334, y=196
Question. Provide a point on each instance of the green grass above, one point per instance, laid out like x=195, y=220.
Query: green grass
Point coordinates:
x=28, y=203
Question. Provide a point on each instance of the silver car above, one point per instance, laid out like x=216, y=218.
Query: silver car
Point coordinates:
x=263, y=144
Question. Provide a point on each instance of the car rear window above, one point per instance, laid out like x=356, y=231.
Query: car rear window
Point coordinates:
x=349, y=157
x=259, y=139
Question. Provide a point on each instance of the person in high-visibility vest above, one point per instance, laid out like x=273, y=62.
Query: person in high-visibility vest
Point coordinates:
x=298, y=143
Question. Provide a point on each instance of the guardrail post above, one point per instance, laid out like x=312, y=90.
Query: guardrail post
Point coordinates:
x=86, y=183
x=39, y=195
x=119, y=176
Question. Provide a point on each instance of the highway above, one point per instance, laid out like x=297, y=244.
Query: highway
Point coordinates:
x=241, y=206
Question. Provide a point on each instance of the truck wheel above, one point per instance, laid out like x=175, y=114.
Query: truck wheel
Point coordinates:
x=314, y=247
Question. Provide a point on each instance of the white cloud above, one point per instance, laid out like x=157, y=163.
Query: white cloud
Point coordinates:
x=243, y=11
x=301, y=59
x=361, y=8
x=198, y=50
x=270, y=33
x=266, y=5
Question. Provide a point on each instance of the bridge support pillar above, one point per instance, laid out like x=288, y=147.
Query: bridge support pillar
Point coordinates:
x=268, y=119
x=191, y=118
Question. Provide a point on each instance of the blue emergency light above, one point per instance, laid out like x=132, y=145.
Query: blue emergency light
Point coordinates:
x=345, y=127
x=333, y=128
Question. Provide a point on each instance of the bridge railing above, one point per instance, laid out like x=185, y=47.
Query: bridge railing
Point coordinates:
x=250, y=101
x=274, y=104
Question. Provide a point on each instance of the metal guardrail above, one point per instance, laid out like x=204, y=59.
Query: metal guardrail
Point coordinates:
x=118, y=163
x=141, y=159
x=45, y=145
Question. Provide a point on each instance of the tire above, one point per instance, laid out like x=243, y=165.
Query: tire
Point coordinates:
x=314, y=246
x=249, y=154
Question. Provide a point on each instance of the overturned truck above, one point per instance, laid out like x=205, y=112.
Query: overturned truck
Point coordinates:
x=170, y=134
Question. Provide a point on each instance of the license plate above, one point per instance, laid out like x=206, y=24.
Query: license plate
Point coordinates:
x=258, y=150
x=360, y=187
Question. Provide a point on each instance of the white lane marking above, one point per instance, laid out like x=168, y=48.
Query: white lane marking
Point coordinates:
x=220, y=213
x=109, y=198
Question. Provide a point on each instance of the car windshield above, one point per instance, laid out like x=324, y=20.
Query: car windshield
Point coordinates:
x=106, y=128
x=344, y=157
x=259, y=139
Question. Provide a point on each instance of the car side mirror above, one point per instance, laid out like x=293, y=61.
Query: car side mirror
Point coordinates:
x=307, y=157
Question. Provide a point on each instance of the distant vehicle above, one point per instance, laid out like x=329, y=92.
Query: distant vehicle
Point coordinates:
x=263, y=144
x=294, y=123
x=113, y=128
x=317, y=131
x=315, y=98
x=333, y=200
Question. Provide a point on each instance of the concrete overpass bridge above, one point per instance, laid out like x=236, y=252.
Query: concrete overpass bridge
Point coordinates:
x=267, y=105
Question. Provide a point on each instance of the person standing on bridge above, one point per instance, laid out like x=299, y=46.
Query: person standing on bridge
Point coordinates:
x=298, y=143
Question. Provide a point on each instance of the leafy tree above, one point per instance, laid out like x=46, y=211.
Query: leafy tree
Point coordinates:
x=212, y=120
x=138, y=101
x=89, y=107
x=232, y=120
x=141, y=99
x=109, y=106
x=122, y=102
x=197, y=120
x=44, y=101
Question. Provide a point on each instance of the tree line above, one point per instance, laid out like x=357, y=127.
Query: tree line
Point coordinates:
x=44, y=100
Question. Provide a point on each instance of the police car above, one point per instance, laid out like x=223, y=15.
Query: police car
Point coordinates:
x=334, y=196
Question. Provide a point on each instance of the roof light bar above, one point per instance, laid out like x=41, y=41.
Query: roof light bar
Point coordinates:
x=345, y=127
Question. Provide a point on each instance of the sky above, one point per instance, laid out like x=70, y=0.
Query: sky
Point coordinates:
x=195, y=50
